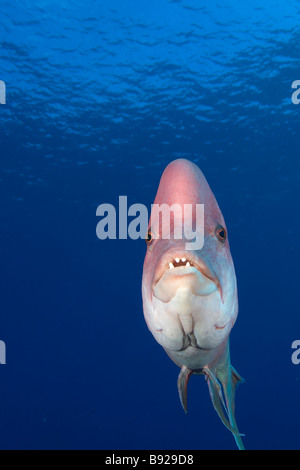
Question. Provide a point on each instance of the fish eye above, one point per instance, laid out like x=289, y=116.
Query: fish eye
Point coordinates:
x=221, y=233
x=149, y=238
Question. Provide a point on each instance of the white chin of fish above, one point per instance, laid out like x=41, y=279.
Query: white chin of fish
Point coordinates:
x=186, y=307
x=185, y=279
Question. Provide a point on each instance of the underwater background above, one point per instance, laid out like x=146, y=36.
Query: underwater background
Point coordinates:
x=100, y=97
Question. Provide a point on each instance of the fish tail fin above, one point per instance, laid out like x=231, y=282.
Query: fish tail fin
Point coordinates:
x=182, y=382
x=222, y=386
x=229, y=392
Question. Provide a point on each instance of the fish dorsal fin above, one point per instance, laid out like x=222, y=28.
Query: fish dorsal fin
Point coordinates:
x=182, y=382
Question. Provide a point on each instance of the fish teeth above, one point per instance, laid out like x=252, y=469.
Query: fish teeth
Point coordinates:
x=182, y=262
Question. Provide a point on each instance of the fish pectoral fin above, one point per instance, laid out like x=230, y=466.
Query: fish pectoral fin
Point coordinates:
x=236, y=378
x=182, y=382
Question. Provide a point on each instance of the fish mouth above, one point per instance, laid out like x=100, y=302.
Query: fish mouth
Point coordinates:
x=186, y=260
x=181, y=267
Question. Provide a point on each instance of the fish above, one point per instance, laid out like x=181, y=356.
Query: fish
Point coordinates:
x=190, y=298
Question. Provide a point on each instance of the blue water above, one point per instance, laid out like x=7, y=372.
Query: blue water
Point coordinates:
x=100, y=97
